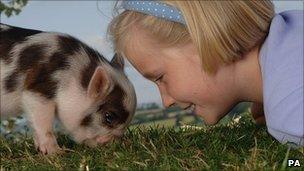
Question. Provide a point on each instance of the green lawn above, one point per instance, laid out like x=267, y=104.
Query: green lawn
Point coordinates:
x=238, y=146
x=165, y=123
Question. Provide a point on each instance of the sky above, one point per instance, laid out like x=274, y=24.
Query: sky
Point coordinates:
x=88, y=21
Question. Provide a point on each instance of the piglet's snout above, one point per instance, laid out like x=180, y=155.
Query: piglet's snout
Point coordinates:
x=104, y=139
x=107, y=138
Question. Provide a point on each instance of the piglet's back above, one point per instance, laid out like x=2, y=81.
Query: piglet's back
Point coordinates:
x=42, y=62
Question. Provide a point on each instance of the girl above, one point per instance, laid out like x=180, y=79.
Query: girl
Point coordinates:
x=211, y=55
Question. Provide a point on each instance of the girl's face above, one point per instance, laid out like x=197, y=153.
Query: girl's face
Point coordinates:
x=180, y=79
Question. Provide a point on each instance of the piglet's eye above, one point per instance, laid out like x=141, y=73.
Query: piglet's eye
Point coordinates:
x=109, y=118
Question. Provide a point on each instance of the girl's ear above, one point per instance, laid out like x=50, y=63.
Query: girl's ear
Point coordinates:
x=99, y=83
x=118, y=62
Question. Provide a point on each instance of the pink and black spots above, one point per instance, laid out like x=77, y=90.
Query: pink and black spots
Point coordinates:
x=9, y=36
x=115, y=113
x=111, y=113
x=43, y=73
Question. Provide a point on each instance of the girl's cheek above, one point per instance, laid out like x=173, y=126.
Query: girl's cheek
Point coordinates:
x=165, y=88
x=175, y=90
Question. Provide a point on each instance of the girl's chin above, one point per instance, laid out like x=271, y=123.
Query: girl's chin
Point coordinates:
x=208, y=117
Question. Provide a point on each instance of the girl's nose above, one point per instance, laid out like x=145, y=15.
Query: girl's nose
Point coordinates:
x=167, y=101
x=166, y=98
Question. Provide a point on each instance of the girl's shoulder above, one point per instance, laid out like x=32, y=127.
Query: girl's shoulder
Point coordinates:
x=281, y=60
x=291, y=18
x=292, y=13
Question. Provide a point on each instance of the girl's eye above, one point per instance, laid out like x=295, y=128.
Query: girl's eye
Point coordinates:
x=109, y=118
x=159, y=78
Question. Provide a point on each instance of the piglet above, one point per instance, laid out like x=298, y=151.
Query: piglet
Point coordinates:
x=49, y=75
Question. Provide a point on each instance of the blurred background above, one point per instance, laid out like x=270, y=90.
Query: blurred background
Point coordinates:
x=88, y=20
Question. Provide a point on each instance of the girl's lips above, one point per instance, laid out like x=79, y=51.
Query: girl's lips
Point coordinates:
x=191, y=108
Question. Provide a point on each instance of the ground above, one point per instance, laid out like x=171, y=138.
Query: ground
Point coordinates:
x=238, y=145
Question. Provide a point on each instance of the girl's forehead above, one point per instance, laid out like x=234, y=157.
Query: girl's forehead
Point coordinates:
x=143, y=55
x=143, y=60
x=140, y=48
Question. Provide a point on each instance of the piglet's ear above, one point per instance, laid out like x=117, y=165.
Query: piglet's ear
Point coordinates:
x=99, y=83
x=117, y=62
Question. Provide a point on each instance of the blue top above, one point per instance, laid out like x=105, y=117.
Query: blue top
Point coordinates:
x=281, y=60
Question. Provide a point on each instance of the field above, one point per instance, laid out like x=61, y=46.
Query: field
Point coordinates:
x=236, y=145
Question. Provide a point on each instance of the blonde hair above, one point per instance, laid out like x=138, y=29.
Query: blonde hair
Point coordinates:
x=222, y=31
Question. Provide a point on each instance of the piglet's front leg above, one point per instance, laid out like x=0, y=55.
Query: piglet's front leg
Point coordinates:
x=40, y=113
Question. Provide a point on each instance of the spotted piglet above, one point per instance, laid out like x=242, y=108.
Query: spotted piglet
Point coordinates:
x=51, y=75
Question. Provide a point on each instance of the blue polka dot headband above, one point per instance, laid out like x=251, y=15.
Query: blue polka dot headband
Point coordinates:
x=155, y=8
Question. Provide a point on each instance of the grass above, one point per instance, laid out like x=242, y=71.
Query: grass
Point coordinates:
x=234, y=146
x=166, y=123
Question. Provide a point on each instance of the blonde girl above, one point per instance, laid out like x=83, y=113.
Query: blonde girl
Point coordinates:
x=211, y=55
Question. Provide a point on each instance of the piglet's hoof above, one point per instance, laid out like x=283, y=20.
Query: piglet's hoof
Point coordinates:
x=49, y=149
